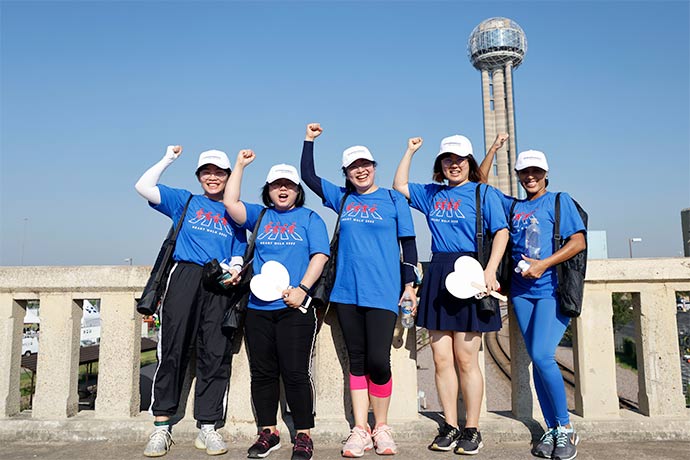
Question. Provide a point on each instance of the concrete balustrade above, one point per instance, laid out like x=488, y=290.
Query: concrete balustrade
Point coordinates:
x=61, y=291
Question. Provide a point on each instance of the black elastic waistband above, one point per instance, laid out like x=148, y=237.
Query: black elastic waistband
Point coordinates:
x=445, y=257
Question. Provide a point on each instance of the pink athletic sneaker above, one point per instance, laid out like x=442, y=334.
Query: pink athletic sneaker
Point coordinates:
x=357, y=443
x=383, y=440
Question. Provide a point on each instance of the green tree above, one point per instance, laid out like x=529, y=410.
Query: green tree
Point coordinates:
x=622, y=309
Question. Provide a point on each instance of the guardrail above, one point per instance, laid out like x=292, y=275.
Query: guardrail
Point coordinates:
x=62, y=290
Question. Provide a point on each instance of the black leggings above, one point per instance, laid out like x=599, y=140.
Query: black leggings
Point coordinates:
x=368, y=334
x=280, y=344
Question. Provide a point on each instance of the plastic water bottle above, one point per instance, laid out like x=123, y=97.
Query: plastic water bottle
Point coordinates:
x=521, y=266
x=532, y=237
x=407, y=319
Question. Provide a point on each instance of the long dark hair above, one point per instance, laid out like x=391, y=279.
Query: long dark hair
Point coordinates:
x=475, y=174
x=349, y=188
x=299, y=202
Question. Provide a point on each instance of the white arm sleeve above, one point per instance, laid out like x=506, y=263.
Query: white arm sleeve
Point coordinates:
x=236, y=262
x=147, y=185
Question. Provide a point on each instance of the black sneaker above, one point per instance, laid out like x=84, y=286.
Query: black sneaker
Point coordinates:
x=566, y=440
x=447, y=438
x=268, y=442
x=469, y=443
x=303, y=448
x=544, y=447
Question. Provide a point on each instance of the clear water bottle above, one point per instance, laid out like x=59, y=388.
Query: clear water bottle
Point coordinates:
x=407, y=319
x=532, y=237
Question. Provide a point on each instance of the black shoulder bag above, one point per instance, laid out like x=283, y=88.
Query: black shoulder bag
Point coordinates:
x=321, y=291
x=155, y=287
x=233, y=320
x=487, y=305
x=571, y=273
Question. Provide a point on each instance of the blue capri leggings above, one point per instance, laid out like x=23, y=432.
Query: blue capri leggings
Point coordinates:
x=542, y=325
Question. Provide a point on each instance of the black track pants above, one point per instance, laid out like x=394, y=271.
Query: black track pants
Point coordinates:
x=191, y=316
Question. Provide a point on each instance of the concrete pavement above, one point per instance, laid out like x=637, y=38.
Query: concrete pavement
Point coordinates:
x=83, y=437
x=588, y=450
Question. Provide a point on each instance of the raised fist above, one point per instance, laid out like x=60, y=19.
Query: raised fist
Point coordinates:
x=246, y=156
x=173, y=151
x=501, y=139
x=414, y=143
x=314, y=130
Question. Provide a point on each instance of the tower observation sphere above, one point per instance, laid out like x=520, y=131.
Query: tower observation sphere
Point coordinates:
x=496, y=48
x=495, y=42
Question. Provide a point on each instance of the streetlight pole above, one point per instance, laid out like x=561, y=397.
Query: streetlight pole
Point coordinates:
x=631, y=241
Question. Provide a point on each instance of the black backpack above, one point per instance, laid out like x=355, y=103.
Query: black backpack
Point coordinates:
x=571, y=273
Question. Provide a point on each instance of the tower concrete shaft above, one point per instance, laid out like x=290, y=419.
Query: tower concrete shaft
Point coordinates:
x=499, y=117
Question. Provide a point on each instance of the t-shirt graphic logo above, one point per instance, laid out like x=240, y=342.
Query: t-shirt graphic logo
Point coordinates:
x=521, y=220
x=278, y=231
x=211, y=220
x=447, y=208
x=362, y=210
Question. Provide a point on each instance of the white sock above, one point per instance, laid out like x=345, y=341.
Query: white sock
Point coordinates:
x=210, y=427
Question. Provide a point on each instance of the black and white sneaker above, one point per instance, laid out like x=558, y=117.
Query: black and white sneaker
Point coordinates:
x=303, y=448
x=566, y=440
x=447, y=438
x=544, y=447
x=268, y=442
x=469, y=443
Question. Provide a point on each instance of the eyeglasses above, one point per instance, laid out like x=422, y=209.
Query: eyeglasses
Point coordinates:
x=450, y=161
x=220, y=174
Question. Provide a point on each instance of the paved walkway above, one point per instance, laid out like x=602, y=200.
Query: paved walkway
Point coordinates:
x=658, y=450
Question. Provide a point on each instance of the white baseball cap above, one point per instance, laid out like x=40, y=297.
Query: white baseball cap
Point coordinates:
x=282, y=171
x=214, y=157
x=531, y=158
x=459, y=145
x=354, y=153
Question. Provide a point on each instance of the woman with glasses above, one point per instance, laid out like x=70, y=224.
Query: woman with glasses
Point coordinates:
x=455, y=325
x=191, y=313
x=374, y=224
x=280, y=332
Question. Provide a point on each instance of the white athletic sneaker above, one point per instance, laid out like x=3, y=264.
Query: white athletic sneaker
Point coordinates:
x=159, y=443
x=212, y=441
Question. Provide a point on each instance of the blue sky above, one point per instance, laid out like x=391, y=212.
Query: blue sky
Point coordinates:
x=93, y=92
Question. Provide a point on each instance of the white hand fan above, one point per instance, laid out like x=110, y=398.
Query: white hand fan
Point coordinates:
x=467, y=280
x=271, y=282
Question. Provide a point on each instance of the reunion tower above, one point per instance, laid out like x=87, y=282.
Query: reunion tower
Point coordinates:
x=496, y=47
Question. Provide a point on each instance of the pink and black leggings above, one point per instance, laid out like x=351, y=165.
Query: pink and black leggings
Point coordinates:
x=368, y=334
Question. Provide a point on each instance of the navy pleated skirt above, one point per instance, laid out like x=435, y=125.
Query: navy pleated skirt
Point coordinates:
x=440, y=311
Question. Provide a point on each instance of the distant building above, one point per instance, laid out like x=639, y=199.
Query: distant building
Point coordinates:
x=596, y=244
x=685, y=227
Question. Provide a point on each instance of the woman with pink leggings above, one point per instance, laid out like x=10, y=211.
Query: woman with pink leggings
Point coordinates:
x=374, y=224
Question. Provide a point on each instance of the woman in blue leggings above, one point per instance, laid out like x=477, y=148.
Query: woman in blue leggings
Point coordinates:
x=533, y=292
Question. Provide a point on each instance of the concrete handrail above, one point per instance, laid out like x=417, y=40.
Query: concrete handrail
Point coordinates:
x=61, y=291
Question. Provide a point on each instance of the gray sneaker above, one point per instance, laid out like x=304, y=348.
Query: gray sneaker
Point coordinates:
x=566, y=440
x=544, y=447
x=159, y=443
x=212, y=441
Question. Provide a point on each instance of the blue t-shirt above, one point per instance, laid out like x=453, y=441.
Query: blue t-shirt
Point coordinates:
x=207, y=232
x=289, y=237
x=368, y=265
x=542, y=212
x=451, y=213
